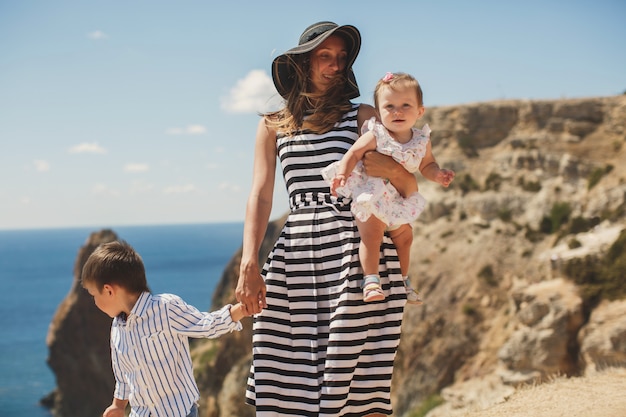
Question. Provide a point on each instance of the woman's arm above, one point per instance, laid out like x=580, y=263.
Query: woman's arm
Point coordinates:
x=250, y=287
x=379, y=165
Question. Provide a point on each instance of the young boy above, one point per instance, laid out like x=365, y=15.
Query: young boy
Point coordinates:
x=149, y=335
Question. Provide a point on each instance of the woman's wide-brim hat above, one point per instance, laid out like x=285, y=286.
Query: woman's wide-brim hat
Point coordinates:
x=284, y=73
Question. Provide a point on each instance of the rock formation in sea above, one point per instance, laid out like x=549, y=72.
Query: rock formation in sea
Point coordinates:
x=521, y=264
x=78, y=345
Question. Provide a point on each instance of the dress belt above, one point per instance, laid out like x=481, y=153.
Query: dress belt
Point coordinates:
x=311, y=199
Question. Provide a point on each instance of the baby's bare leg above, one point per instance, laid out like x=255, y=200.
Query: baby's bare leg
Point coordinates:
x=371, y=232
x=402, y=238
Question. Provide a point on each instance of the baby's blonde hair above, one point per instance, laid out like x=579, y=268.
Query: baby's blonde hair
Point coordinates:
x=398, y=81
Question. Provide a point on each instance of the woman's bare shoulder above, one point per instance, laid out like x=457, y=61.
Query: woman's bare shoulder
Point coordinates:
x=365, y=113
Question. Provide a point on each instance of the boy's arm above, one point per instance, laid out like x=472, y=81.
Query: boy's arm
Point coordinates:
x=187, y=320
x=122, y=389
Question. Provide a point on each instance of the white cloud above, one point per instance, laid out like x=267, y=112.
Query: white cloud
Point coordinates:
x=97, y=35
x=252, y=94
x=135, y=167
x=140, y=187
x=226, y=186
x=105, y=190
x=179, y=189
x=87, y=148
x=196, y=130
x=189, y=130
x=41, y=165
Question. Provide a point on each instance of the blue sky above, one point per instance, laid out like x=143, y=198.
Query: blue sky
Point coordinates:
x=144, y=112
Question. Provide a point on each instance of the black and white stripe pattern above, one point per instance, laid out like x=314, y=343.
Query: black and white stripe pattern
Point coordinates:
x=150, y=353
x=319, y=350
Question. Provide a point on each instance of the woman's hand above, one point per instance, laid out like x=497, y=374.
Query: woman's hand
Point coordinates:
x=384, y=166
x=251, y=288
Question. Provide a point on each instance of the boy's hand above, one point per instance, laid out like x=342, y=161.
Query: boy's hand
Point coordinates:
x=117, y=409
x=239, y=311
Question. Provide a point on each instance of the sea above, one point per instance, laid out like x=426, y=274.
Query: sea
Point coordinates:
x=36, y=274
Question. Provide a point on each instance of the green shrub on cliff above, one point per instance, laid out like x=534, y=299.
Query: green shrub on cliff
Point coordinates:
x=597, y=174
x=601, y=277
x=559, y=215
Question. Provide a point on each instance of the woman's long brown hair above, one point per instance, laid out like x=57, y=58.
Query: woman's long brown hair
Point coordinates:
x=305, y=110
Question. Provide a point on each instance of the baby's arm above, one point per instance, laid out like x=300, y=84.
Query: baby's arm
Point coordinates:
x=367, y=142
x=431, y=171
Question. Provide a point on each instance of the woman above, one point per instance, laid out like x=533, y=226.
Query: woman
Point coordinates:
x=318, y=349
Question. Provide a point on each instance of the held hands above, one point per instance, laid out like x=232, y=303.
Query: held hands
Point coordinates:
x=250, y=291
x=239, y=311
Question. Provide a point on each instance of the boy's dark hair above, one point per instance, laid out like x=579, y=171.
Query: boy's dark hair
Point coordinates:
x=115, y=263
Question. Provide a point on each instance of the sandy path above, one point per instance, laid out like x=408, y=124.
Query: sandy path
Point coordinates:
x=600, y=395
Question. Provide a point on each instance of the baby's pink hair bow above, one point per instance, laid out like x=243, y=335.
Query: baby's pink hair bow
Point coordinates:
x=388, y=77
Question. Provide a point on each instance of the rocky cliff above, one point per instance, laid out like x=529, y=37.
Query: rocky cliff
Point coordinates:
x=540, y=191
x=521, y=263
x=78, y=344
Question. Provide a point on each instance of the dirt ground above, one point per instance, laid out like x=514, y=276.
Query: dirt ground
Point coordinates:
x=599, y=395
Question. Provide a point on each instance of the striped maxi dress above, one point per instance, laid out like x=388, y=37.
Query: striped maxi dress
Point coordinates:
x=318, y=349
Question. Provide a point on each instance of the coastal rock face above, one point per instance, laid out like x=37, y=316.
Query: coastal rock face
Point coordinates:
x=603, y=340
x=521, y=264
x=539, y=184
x=548, y=316
x=78, y=343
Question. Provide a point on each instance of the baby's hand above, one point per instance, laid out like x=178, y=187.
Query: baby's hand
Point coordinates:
x=445, y=177
x=338, y=181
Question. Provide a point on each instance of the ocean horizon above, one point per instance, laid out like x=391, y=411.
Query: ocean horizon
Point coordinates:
x=37, y=271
